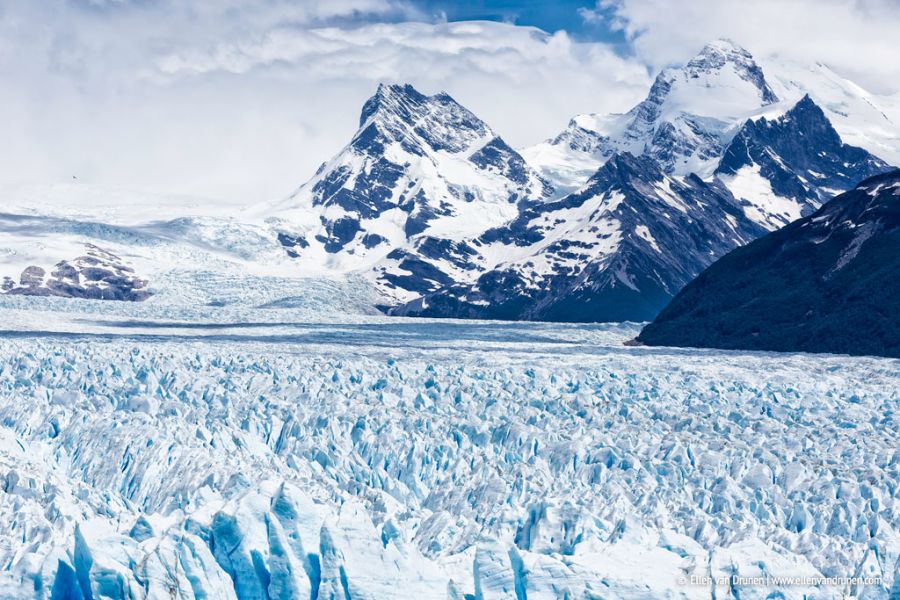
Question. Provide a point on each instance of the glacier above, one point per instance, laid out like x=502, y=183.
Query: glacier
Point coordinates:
x=272, y=451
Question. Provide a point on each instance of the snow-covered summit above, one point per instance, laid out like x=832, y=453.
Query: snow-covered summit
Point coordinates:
x=720, y=82
x=419, y=169
x=403, y=114
x=682, y=123
x=721, y=58
x=692, y=112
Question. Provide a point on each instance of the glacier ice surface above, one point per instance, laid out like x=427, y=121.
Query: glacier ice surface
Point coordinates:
x=147, y=452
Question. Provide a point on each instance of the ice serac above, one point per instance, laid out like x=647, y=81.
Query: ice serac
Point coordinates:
x=683, y=123
x=786, y=167
x=420, y=178
x=616, y=250
x=826, y=283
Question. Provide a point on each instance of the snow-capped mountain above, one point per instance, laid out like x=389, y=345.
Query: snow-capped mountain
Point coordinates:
x=439, y=216
x=447, y=220
x=683, y=123
x=616, y=250
x=692, y=113
x=421, y=175
x=861, y=118
x=787, y=167
x=825, y=283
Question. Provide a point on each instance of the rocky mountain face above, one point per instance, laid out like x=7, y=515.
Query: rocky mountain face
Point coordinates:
x=692, y=112
x=825, y=283
x=791, y=164
x=622, y=246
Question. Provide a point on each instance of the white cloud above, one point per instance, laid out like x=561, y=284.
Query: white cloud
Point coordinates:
x=857, y=38
x=245, y=99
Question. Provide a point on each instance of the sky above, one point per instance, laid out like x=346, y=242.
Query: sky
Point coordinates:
x=243, y=99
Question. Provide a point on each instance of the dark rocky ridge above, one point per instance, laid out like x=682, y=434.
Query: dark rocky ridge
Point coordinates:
x=829, y=282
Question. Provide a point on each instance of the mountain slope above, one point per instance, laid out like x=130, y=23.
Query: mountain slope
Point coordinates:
x=616, y=250
x=784, y=168
x=826, y=283
x=591, y=257
x=420, y=172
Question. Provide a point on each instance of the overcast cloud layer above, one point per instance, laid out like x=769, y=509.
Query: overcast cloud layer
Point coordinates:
x=243, y=99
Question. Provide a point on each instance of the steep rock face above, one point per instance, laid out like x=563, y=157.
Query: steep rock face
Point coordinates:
x=860, y=117
x=616, y=250
x=784, y=168
x=421, y=170
x=683, y=123
x=826, y=283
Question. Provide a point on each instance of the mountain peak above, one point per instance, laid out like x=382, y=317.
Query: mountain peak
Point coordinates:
x=721, y=53
x=415, y=159
x=806, y=104
x=723, y=46
x=403, y=91
x=811, y=117
x=624, y=166
x=798, y=157
x=399, y=113
x=390, y=96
